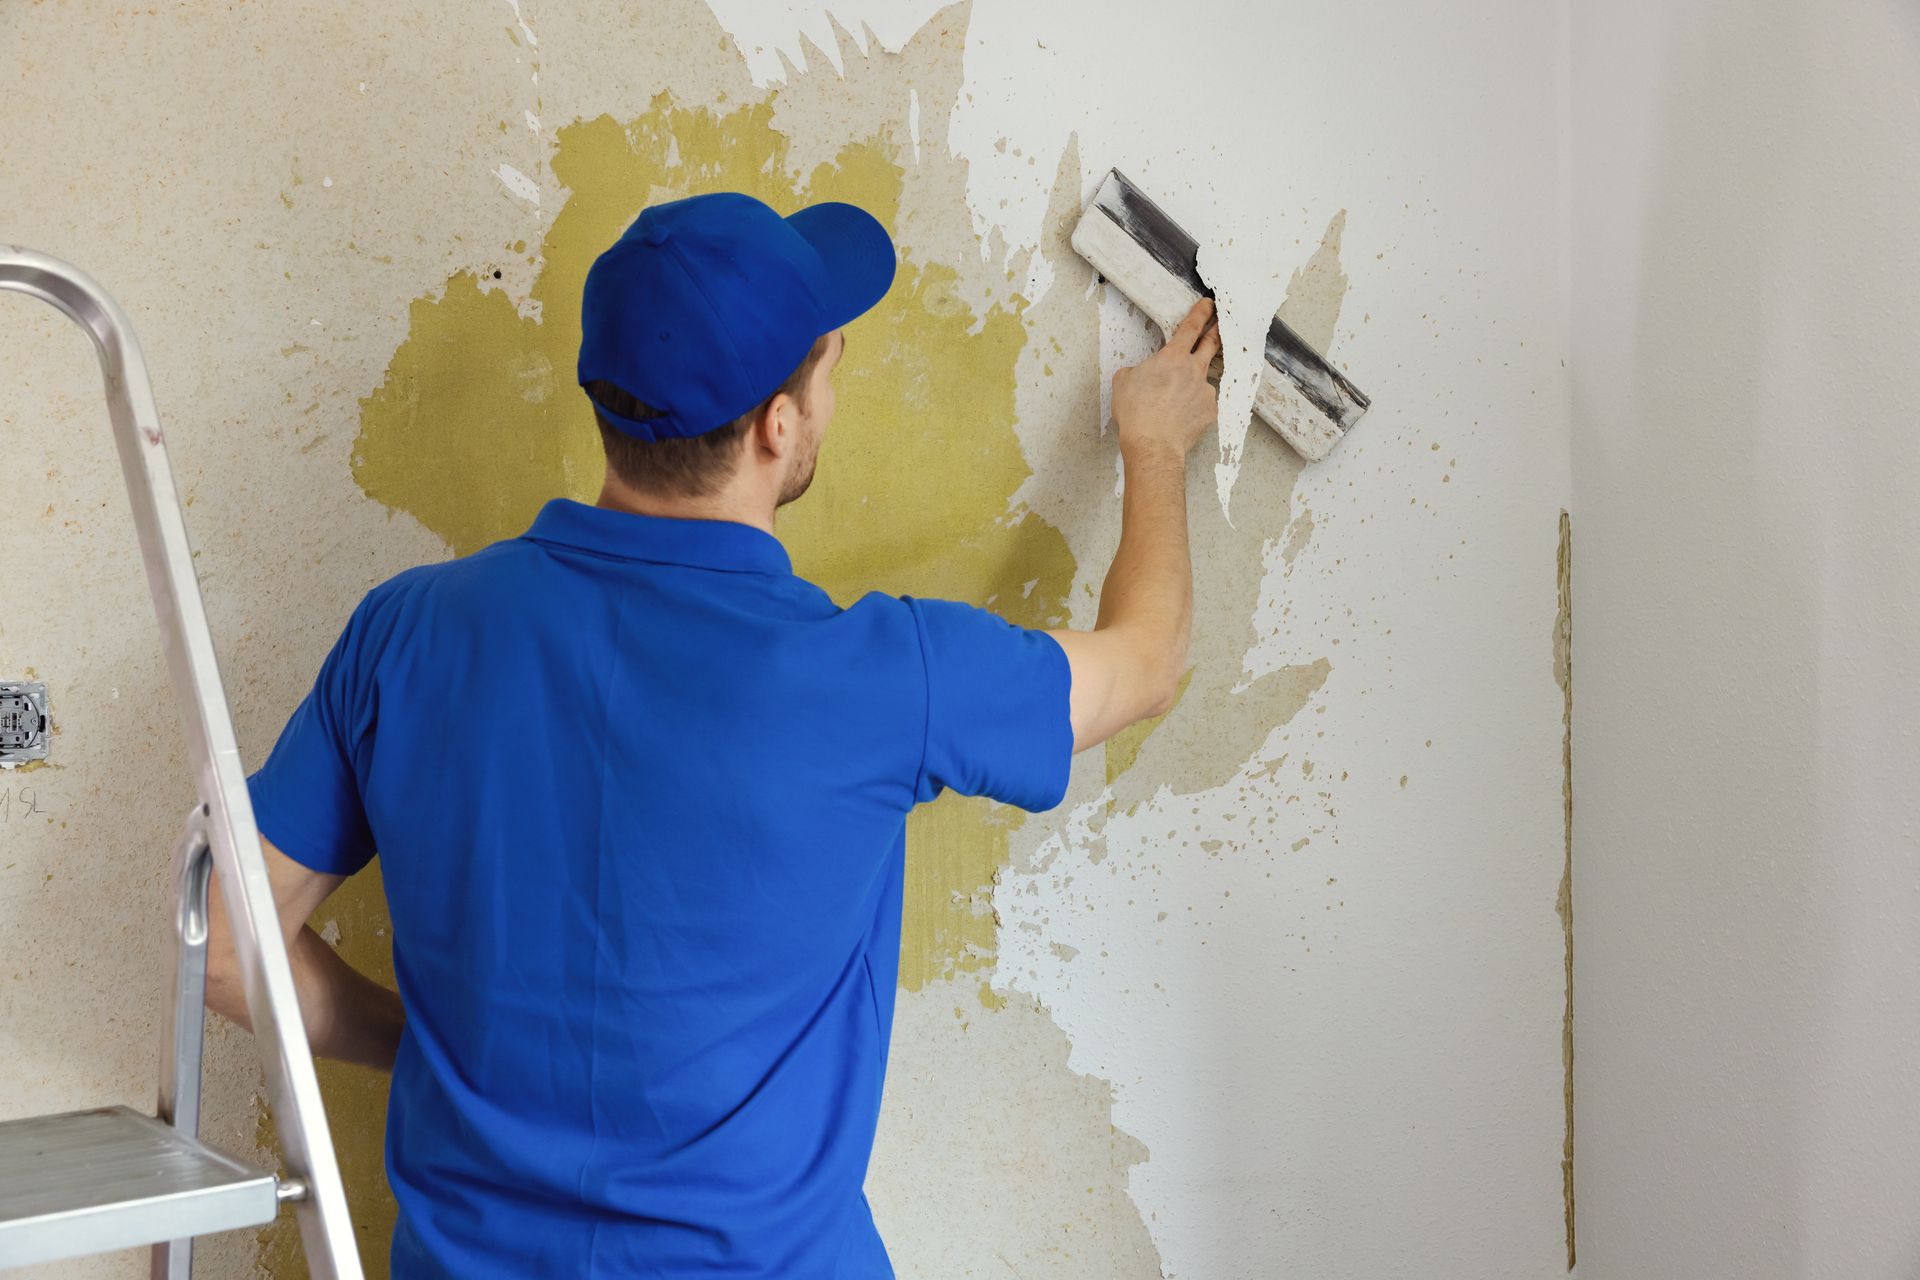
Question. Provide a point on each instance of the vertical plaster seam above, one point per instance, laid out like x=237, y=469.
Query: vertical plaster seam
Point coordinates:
x=1563, y=676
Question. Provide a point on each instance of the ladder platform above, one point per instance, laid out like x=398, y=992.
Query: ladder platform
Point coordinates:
x=92, y=1181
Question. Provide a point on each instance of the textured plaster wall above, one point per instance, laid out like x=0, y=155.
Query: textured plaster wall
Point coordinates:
x=1280, y=989
x=1747, y=295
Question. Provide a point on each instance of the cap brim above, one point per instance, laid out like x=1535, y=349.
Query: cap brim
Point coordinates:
x=858, y=254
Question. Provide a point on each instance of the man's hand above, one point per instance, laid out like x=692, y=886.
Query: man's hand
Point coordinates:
x=1166, y=400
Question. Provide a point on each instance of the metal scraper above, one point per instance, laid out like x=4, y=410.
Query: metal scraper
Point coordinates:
x=1133, y=243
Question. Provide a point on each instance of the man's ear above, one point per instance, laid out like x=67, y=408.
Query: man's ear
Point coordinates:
x=776, y=425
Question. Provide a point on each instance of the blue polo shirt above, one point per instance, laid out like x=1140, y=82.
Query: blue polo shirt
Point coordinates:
x=639, y=795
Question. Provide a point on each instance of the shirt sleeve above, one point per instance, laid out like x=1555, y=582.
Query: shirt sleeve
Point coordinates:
x=306, y=797
x=998, y=717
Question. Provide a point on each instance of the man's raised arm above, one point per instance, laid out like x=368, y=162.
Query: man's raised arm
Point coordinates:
x=1128, y=666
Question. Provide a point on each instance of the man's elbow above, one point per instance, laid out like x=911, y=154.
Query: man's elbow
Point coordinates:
x=1154, y=681
x=1158, y=691
x=1162, y=702
x=1163, y=690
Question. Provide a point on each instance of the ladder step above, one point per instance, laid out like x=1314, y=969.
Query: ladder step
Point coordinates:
x=95, y=1181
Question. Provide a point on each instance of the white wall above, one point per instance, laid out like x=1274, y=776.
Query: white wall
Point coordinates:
x=1746, y=315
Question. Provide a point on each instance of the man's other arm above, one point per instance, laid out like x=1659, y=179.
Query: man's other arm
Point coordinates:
x=348, y=1015
x=1128, y=666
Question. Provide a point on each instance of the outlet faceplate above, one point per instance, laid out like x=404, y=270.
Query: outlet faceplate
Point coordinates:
x=23, y=722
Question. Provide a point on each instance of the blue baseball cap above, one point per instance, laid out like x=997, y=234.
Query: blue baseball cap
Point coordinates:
x=704, y=306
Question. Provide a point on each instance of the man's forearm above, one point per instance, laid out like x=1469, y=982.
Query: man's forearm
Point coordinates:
x=1148, y=593
x=347, y=1015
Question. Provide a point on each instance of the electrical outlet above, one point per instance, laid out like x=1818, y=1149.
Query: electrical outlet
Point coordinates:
x=23, y=722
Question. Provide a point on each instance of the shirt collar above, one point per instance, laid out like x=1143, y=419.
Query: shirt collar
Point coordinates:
x=703, y=544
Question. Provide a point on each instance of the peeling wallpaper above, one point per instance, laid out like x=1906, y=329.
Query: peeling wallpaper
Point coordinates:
x=1278, y=989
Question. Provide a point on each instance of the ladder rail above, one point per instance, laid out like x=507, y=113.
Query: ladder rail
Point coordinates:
x=293, y=1089
x=183, y=1030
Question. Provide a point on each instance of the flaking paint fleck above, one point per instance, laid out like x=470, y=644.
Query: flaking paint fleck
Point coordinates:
x=1298, y=534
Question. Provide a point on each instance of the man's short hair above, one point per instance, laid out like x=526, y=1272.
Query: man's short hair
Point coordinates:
x=690, y=467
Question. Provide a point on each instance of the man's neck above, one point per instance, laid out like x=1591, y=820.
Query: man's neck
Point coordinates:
x=730, y=504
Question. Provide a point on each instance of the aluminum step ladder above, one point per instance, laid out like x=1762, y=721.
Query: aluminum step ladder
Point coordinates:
x=93, y=1181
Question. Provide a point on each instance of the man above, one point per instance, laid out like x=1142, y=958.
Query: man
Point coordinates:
x=639, y=793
